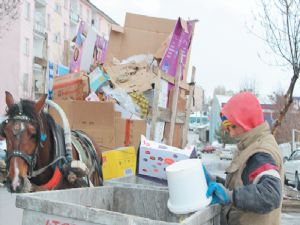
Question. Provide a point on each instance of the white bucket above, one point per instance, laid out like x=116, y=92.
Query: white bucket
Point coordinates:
x=187, y=186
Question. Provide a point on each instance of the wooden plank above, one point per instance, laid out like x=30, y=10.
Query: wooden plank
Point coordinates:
x=171, y=79
x=175, y=97
x=164, y=115
x=188, y=108
x=155, y=106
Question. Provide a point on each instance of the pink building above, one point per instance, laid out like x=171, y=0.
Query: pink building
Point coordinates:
x=25, y=48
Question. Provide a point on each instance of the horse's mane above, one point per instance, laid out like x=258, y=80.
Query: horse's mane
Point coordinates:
x=27, y=108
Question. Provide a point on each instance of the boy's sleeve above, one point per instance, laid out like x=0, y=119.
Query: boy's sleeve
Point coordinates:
x=262, y=188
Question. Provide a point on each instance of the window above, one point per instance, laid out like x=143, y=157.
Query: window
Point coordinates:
x=57, y=8
x=66, y=4
x=56, y=38
x=25, y=82
x=48, y=22
x=27, y=10
x=26, y=47
x=295, y=155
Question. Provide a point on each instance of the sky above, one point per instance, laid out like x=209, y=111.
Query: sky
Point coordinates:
x=224, y=50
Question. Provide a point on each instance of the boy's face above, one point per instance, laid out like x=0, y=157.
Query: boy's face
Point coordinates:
x=235, y=131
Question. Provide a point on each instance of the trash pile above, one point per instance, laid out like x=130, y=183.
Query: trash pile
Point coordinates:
x=109, y=92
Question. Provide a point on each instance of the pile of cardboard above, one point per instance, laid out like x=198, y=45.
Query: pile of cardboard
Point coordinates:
x=102, y=123
x=133, y=58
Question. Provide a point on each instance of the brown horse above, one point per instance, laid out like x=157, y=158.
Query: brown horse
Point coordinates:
x=36, y=156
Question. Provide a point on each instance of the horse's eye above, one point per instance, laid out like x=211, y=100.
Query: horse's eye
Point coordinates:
x=32, y=131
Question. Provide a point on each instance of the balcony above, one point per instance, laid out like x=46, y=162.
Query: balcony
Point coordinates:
x=40, y=3
x=74, y=17
x=39, y=28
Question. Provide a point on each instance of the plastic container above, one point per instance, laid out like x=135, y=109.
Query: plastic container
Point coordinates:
x=187, y=186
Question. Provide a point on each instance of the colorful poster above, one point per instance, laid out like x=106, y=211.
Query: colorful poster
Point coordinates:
x=181, y=39
x=80, y=38
x=100, y=50
x=52, y=70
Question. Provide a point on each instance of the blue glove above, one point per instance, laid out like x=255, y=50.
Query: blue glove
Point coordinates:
x=219, y=193
x=208, y=179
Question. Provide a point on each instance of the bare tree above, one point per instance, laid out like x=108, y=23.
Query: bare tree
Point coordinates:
x=281, y=22
x=8, y=14
x=220, y=90
x=250, y=85
x=291, y=120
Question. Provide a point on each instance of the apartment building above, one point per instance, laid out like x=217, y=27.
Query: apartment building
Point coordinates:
x=43, y=33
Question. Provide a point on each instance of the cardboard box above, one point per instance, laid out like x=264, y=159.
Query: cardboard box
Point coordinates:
x=119, y=163
x=101, y=122
x=97, y=78
x=128, y=132
x=152, y=35
x=155, y=157
x=72, y=86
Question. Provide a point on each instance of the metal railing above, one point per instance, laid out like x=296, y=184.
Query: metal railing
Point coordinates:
x=39, y=28
x=41, y=2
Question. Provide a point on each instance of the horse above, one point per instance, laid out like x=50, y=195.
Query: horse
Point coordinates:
x=36, y=158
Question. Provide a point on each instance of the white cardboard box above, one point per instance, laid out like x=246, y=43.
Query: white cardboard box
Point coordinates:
x=155, y=157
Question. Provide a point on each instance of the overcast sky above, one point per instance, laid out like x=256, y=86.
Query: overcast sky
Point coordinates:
x=223, y=50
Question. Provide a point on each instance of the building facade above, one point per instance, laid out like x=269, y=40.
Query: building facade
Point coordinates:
x=42, y=33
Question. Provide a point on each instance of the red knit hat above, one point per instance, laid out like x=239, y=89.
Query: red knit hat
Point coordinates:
x=244, y=110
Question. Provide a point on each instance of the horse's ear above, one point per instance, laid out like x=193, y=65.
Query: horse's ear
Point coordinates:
x=9, y=99
x=40, y=104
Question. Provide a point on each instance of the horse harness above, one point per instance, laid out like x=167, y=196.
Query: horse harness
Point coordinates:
x=59, y=144
x=19, y=127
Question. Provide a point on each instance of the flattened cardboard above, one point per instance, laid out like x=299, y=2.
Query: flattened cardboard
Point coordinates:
x=141, y=35
x=138, y=77
x=101, y=122
x=95, y=118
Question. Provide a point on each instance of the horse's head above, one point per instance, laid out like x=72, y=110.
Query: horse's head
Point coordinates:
x=23, y=136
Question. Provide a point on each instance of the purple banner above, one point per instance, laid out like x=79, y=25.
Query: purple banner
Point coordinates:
x=76, y=59
x=100, y=50
x=181, y=39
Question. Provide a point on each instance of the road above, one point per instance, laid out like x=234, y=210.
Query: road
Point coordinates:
x=9, y=214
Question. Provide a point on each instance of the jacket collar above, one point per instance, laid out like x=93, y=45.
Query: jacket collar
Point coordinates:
x=246, y=139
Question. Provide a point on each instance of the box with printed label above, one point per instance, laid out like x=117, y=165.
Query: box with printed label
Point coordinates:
x=155, y=157
x=119, y=163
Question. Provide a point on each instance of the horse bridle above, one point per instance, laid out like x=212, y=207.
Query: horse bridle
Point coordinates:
x=29, y=159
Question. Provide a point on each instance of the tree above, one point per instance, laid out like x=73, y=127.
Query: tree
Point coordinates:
x=250, y=85
x=291, y=120
x=8, y=14
x=220, y=90
x=281, y=22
